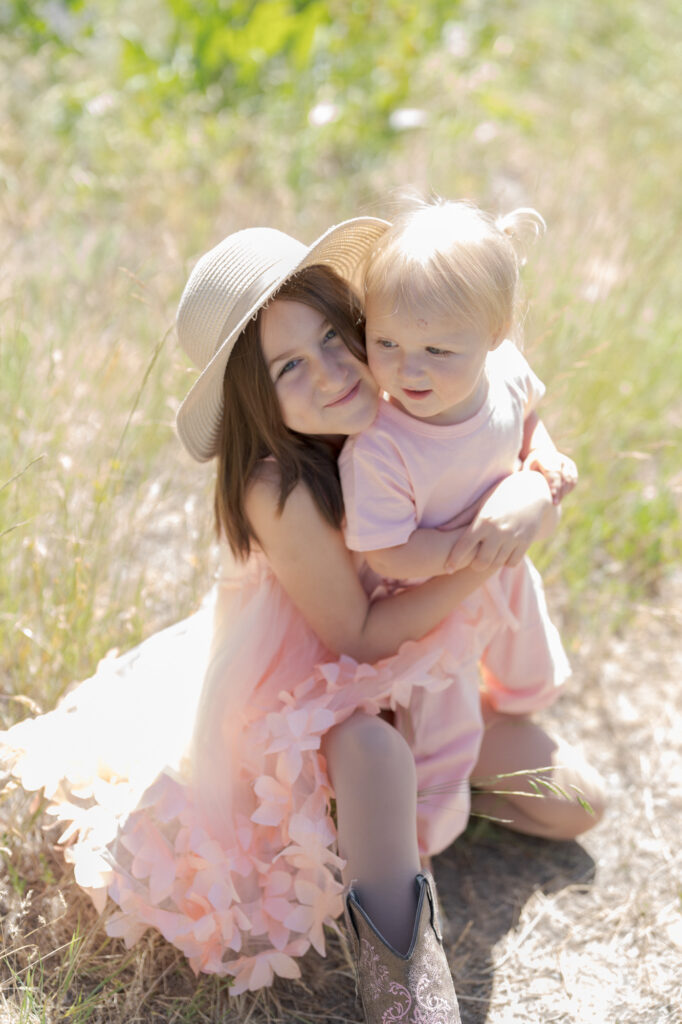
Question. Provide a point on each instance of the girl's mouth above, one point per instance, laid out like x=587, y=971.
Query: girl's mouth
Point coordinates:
x=347, y=396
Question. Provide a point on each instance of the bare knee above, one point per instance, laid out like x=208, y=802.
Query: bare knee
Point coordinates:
x=588, y=806
x=579, y=807
x=366, y=746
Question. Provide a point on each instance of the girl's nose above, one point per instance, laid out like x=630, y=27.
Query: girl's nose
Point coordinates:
x=330, y=371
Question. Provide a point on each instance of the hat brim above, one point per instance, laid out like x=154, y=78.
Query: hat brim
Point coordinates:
x=341, y=247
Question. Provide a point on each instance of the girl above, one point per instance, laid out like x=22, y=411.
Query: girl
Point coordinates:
x=213, y=826
x=440, y=289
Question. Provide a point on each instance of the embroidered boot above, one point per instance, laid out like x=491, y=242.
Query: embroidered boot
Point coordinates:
x=411, y=988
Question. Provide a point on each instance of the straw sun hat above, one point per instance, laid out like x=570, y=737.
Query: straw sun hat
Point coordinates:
x=227, y=287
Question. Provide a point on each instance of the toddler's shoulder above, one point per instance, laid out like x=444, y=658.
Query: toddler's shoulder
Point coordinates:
x=510, y=360
x=509, y=366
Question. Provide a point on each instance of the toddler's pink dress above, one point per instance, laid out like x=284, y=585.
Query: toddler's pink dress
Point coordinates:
x=188, y=780
x=403, y=473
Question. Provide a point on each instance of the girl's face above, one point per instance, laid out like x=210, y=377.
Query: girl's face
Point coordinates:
x=321, y=387
x=433, y=367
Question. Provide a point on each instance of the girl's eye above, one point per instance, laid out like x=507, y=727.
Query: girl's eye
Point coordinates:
x=288, y=366
x=385, y=343
x=331, y=334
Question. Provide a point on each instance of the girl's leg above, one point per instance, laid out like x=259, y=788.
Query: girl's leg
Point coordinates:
x=513, y=743
x=373, y=774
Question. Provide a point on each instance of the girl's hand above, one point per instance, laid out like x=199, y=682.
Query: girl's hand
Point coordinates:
x=560, y=472
x=510, y=517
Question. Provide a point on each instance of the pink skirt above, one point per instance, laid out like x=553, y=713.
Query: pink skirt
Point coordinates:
x=188, y=776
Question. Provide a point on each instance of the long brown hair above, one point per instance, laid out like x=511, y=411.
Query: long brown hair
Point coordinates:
x=252, y=426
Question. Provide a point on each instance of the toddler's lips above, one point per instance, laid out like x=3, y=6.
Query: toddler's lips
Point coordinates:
x=416, y=395
x=347, y=396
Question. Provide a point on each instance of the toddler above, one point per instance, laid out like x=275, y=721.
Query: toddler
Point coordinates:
x=440, y=291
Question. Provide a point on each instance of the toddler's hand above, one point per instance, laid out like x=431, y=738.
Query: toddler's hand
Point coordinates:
x=559, y=471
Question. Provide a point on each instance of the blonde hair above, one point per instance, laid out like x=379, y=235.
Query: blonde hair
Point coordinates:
x=453, y=259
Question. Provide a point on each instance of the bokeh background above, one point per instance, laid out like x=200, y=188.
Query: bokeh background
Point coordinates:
x=134, y=136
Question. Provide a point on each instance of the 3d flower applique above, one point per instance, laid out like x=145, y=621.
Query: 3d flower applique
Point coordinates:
x=168, y=797
x=307, y=692
x=275, y=801
x=319, y=905
x=294, y=731
x=258, y=971
x=233, y=923
x=213, y=874
x=126, y=926
x=91, y=871
x=311, y=837
x=153, y=857
x=243, y=856
x=274, y=906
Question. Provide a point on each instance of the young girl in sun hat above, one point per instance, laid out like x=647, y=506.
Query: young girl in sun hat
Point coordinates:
x=440, y=288
x=214, y=826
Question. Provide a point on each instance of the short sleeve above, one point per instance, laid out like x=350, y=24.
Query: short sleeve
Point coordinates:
x=377, y=494
x=519, y=375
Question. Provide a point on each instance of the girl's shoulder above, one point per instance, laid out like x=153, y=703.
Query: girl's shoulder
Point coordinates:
x=263, y=500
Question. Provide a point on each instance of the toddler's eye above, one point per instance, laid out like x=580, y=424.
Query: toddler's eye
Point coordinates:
x=385, y=343
x=432, y=350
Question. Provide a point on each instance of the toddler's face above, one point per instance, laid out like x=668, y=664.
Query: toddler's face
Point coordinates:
x=433, y=367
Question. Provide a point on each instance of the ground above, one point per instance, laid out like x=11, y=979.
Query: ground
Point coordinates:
x=586, y=931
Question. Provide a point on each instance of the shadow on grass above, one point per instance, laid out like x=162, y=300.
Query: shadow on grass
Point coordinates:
x=484, y=880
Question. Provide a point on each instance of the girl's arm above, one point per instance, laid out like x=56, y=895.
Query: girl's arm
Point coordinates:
x=425, y=553
x=505, y=522
x=310, y=559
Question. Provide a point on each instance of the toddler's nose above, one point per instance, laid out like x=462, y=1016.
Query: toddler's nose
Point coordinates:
x=411, y=370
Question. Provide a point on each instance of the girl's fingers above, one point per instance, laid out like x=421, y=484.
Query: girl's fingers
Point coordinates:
x=486, y=556
x=463, y=551
x=515, y=557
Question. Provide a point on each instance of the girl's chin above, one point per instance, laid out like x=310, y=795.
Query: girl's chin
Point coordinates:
x=362, y=417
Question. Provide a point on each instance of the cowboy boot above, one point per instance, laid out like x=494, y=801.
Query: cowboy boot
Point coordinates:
x=411, y=988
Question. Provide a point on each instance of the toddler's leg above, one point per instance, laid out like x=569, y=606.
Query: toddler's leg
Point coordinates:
x=524, y=665
x=513, y=743
x=373, y=774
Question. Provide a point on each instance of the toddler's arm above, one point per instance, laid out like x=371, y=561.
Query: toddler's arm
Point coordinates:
x=539, y=452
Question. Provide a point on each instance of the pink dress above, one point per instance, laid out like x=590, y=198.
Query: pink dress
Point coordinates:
x=188, y=780
x=403, y=473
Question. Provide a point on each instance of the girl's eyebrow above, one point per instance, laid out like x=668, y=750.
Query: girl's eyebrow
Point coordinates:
x=281, y=358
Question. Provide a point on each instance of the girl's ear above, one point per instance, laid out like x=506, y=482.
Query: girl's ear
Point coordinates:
x=498, y=336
